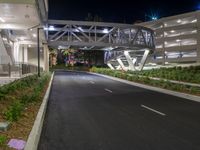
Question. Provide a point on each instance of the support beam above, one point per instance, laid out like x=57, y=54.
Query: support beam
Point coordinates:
x=121, y=64
x=57, y=33
x=130, y=61
x=110, y=66
x=144, y=58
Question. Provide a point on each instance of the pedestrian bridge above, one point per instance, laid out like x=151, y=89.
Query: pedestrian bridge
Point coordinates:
x=126, y=46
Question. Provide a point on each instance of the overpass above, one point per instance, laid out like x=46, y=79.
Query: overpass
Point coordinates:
x=126, y=46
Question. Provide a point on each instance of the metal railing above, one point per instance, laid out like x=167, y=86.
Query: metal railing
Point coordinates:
x=17, y=69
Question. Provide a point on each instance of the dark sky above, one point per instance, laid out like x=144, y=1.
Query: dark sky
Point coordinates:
x=122, y=11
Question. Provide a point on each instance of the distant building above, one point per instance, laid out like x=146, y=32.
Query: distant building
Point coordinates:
x=177, y=39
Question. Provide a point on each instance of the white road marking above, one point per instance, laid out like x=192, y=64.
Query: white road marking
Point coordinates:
x=160, y=113
x=108, y=90
x=92, y=82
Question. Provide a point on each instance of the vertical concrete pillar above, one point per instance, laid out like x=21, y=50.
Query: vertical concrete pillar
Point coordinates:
x=163, y=43
x=20, y=53
x=16, y=51
x=25, y=55
x=46, y=58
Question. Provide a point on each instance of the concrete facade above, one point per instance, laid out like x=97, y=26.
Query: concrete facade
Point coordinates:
x=177, y=39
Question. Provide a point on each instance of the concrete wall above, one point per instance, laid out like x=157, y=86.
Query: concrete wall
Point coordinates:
x=33, y=57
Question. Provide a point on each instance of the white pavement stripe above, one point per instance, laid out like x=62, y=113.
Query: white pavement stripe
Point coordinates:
x=108, y=90
x=92, y=82
x=160, y=113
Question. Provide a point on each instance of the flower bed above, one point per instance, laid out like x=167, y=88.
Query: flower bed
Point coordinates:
x=146, y=80
x=20, y=102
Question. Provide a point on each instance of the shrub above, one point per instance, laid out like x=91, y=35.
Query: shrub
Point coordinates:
x=129, y=78
x=2, y=96
x=3, y=140
x=14, y=111
x=194, y=90
x=175, y=73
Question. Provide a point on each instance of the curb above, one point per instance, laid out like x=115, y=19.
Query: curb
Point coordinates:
x=34, y=136
x=156, y=89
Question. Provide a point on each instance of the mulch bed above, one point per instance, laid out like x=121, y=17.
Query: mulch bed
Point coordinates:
x=21, y=128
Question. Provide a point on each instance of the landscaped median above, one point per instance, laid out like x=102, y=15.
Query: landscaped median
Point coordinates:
x=141, y=77
x=19, y=105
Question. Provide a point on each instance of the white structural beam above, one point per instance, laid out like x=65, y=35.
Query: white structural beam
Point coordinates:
x=129, y=60
x=144, y=58
x=110, y=66
x=121, y=64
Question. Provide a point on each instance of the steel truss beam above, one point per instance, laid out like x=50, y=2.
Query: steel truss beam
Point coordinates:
x=104, y=36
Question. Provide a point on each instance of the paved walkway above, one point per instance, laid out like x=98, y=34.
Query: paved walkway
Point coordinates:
x=89, y=112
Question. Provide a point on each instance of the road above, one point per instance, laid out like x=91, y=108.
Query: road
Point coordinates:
x=89, y=112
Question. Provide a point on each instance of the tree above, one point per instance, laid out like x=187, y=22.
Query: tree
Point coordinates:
x=52, y=56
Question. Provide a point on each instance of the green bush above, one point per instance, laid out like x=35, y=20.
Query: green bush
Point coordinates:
x=3, y=140
x=194, y=90
x=14, y=111
x=129, y=78
x=36, y=85
x=2, y=96
x=171, y=73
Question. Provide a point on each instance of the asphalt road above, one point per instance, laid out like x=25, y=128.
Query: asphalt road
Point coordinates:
x=89, y=112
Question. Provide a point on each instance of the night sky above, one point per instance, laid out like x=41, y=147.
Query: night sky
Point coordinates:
x=122, y=11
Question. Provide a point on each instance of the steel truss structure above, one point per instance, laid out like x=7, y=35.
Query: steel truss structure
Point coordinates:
x=127, y=46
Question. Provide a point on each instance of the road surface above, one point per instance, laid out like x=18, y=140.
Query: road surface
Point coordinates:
x=89, y=112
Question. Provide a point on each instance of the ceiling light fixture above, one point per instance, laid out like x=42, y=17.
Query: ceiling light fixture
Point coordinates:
x=179, y=21
x=34, y=35
x=105, y=30
x=195, y=20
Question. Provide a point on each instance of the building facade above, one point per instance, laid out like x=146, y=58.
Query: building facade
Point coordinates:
x=19, y=20
x=177, y=39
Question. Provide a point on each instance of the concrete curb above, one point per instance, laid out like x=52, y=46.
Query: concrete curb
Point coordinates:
x=169, y=92
x=34, y=136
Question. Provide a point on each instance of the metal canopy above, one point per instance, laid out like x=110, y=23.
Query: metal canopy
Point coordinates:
x=110, y=37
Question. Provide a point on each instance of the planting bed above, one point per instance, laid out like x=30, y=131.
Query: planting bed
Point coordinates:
x=19, y=104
